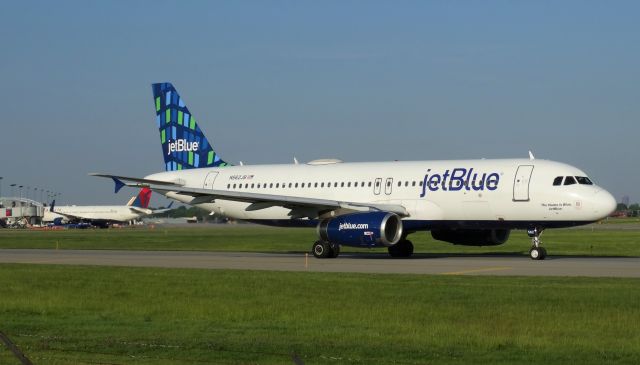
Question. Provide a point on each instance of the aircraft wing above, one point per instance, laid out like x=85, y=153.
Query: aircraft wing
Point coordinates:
x=67, y=215
x=258, y=201
x=158, y=211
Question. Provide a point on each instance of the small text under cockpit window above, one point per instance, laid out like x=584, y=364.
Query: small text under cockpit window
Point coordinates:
x=583, y=180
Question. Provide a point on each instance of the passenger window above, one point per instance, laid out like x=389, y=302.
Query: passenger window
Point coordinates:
x=315, y=185
x=370, y=184
x=228, y=186
x=413, y=183
x=406, y=183
x=349, y=184
x=557, y=181
x=296, y=185
x=342, y=184
x=569, y=180
x=420, y=183
x=234, y=186
x=302, y=185
x=399, y=183
x=271, y=186
x=290, y=185
x=322, y=185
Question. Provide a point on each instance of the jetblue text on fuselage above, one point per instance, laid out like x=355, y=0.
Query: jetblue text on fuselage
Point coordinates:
x=181, y=145
x=458, y=179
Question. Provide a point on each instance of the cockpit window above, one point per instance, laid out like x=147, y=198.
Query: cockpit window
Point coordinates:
x=583, y=180
x=570, y=180
x=557, y=181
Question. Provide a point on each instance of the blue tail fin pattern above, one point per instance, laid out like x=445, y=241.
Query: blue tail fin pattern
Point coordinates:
x=184, y=146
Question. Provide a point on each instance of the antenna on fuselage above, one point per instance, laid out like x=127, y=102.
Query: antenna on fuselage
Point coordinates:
x=531, y=156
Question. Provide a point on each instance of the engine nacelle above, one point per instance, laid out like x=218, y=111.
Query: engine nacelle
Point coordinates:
x=472, y=237
x=362, y=229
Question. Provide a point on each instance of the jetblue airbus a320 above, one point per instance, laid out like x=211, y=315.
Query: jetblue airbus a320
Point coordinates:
x=373, y=204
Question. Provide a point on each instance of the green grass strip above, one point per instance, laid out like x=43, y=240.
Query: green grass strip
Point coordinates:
x=74, y=314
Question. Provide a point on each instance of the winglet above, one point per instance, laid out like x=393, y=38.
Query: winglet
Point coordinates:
x=52, y=206
x=119, y=184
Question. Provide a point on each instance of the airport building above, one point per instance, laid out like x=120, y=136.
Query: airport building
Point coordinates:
x=18, y=212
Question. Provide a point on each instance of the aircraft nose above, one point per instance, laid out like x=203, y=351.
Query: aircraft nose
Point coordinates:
x=605, y=203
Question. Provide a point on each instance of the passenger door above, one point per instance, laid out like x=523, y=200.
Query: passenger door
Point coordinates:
x=521, y=183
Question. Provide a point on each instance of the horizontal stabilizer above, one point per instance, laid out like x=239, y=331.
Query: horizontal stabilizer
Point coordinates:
x=119, y=184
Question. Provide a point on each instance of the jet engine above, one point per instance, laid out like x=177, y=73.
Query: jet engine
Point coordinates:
x=362, y=229
x=472, y=237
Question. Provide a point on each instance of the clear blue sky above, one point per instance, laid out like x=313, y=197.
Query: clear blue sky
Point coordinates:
x=356, y=80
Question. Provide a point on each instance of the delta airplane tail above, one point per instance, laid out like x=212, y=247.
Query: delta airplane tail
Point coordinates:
x=143, y=198
x=184, y=146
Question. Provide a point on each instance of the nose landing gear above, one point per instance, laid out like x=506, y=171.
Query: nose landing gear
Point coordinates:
x=537, y=252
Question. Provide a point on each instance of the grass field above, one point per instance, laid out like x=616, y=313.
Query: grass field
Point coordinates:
x=616, y=239
x=101, y=315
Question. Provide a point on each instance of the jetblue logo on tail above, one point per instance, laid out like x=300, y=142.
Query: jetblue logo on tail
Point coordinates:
x=181, y=145
x=459, y=179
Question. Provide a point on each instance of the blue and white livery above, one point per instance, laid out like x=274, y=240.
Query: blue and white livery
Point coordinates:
x=373, y=204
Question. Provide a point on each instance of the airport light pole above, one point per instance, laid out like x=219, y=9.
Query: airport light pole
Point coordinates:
x=1, y=186
x=20, y=189
x=13, y=188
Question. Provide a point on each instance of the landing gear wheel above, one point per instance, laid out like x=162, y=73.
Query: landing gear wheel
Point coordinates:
x=544, y=253
x=335, y=250
x=321, y=249
x=404, y=248
x=537, y=252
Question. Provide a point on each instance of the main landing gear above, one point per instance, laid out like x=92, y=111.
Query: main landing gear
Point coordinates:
x=325, y=249
x=537, y=252
x=404, y=248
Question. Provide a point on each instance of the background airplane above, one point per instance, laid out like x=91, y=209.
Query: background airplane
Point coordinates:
x=376, y=204
x=103, y=215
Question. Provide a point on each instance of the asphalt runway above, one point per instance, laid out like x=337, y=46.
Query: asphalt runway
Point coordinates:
x=357, y=263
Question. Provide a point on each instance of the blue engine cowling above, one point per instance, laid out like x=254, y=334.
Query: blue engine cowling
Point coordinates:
x=362, y=229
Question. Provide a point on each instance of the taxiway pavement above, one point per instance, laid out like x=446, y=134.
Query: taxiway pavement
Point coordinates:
x=358, y=263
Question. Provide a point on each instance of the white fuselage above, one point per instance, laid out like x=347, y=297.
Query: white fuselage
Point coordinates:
x=504, y=193
x=116, y=213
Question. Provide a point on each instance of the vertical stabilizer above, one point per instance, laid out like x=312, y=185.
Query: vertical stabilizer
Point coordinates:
x=143, y=198
x=184, y=146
